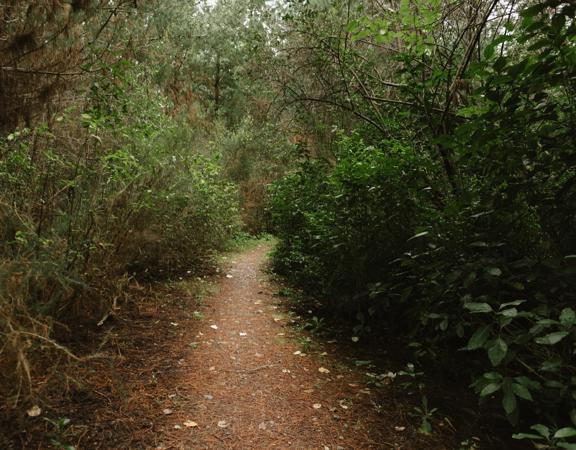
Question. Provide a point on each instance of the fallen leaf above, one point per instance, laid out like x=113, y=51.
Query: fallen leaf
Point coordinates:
x=323, y=370
x=167, y=411
x=190, y=424
x=262, y=426
x=285, y=371
x=242, y=334
x=316, y=406
x=211, y=369
x=297, y=352
x=355, y=338
x=208, y=397
x=308, y=391
x=223, y=424
x=177, y=427
x=229, y=276
x=35, y=411
x=214, y=327
x=399, y=428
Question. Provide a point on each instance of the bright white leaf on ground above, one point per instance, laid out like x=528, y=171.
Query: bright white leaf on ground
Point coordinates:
x=190, y=424
x=323, y=370
x=316, y=406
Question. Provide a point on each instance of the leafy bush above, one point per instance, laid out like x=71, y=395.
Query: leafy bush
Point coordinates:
x=107, y=193
x=349, y=222
x=487, y=267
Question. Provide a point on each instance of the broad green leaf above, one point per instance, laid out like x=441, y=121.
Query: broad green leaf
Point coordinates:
x=542, y=429
x=552, y=338
x=510, y=312
x=497, y=351
x=479, y=338
x=490, y=389
x=509, y=402
x=564, y=433
x=492, y=376
x=521, y=391
x=475, y=307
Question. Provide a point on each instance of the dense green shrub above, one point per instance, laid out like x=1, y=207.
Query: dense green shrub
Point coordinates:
x=486, y=266
x=350, y=221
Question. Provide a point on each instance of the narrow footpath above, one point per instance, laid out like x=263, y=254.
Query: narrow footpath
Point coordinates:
x=247, y=382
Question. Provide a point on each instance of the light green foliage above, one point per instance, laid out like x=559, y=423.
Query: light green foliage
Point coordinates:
x=112, y=192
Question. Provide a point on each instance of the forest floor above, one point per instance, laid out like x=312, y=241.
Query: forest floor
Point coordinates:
x=229, y=370
x=249, y=383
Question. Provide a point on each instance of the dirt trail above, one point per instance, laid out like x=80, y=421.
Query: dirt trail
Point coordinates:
x=246, y=383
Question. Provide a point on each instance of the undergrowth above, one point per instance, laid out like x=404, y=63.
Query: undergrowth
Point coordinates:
x=111, y=193
x=474, y=270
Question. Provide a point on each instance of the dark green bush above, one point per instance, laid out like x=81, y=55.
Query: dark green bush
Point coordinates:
x=480, y=278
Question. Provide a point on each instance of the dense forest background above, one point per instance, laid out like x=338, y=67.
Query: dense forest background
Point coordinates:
x=415, y=158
